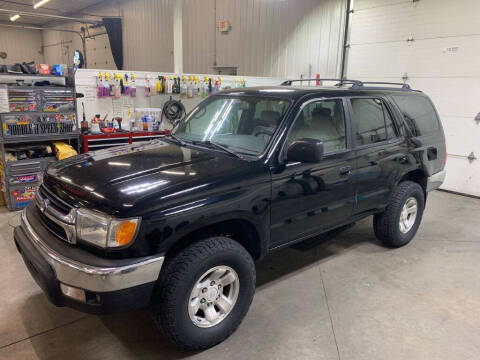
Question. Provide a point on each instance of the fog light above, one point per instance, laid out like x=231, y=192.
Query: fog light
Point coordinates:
x=74, y=293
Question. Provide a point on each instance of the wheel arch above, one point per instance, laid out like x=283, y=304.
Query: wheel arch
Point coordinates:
x=239, y=228
x=417, y=175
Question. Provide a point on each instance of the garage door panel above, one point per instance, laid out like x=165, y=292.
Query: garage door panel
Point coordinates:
x=455, y=130
x=373, y=23
x=437, y=18
x=453, y=97
x=440, y=57
x=378, y=60
x=462, y=176
x=443, y=61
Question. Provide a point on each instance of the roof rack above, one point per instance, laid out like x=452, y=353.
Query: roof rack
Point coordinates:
x=356, y=84
x=403, y=85
x=340, y=81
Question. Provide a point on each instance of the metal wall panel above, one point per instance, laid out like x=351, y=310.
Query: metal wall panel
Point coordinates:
x=267, y=37
x=442, y=60
x=20, y=45
x=148, y=35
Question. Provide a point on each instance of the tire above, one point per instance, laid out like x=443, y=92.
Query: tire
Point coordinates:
x=171, y=307
x=387, y=224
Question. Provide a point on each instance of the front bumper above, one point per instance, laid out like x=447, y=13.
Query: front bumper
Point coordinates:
x=107, y=289
x=436, y=180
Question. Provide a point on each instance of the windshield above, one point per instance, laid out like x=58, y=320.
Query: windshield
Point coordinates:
x=243, y=124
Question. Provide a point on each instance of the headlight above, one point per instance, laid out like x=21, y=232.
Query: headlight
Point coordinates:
x=105, y=231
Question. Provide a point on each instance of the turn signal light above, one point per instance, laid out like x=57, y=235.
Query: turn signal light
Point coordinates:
x=125, y=232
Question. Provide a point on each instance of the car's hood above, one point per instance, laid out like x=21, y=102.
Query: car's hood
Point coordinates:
x=117, y=179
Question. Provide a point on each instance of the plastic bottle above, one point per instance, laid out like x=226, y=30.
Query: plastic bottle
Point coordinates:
x=195, y=87
x=118, y=90
x=159, y=85
x=133, y=87
x=148, y=90
x=112, y=85
x=190, y=87
x=153, y=87
x=100, y=85
x=169, y=86
x=184, y=88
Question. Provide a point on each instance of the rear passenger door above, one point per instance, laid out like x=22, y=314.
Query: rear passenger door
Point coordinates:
x=379, y=152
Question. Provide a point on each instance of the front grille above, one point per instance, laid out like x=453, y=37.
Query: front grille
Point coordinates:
x=55, y=202
x=56, y=208
x=53, y=228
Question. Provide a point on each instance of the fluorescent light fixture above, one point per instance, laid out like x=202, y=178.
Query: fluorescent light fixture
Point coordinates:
x=14, y=17
x=40, y=3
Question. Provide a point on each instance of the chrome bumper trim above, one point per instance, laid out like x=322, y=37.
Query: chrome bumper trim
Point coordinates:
x=94, y=278
x=436, y=180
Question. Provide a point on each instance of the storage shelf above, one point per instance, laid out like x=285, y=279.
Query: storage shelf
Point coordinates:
x=39, y=138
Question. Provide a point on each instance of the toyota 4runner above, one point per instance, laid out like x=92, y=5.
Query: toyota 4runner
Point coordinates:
x=176, y=224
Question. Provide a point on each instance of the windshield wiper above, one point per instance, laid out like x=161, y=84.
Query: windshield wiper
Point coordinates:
x=176, y=138
x=217, y=146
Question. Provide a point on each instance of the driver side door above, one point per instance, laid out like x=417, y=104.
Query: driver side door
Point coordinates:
x=310, y=198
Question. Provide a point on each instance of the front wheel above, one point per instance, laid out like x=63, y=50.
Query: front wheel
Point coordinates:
x=399, y=223
x=204, y=292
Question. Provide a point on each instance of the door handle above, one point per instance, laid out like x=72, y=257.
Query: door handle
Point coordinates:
x=346, y=170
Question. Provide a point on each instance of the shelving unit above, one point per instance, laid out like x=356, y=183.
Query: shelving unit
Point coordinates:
x=39, y=115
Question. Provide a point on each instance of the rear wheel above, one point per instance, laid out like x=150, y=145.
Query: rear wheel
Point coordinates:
x=205, y=292
x=399, y=223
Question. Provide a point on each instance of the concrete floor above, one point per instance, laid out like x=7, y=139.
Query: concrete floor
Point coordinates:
x=348, y=298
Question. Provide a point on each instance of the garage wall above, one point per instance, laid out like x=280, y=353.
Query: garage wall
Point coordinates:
x=267, y=38
x=20, y=45
x=442, y=60
x=147, y=36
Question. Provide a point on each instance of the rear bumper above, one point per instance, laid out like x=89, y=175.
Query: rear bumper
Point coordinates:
x=436, y=180
x=106, y=289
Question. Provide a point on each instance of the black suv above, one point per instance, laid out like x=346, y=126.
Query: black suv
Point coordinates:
x=177, y=223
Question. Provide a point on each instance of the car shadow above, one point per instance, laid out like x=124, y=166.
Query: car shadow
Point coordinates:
x=135, y=332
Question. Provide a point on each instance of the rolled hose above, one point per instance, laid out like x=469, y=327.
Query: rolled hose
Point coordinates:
x=173, y=110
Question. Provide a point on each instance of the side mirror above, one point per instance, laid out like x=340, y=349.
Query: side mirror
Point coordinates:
x=305, y=150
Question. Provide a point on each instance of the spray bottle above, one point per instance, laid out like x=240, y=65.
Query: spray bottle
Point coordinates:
x=183, y=88
x=153, y=87
x=133, y=87
x=196, y=89
x=100, y=85
x=159, y=85
x=190, y=87
x=126, y=85
x=118, y=91
x=148, y=90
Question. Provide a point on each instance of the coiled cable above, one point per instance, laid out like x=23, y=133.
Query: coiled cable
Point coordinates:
x=173, y=110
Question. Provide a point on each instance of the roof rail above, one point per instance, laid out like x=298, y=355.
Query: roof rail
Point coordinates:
x=356, y=84
x=403, y=85
x=340, y=81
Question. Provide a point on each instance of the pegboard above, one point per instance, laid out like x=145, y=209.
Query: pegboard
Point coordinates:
x=86, y=83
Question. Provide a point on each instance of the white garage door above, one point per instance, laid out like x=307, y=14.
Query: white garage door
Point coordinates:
x=436, y=44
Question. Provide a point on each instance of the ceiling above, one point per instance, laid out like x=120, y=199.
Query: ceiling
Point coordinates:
x=54, y=7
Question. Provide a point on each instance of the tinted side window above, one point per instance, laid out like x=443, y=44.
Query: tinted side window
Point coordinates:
x=419, y=114
x=321, y=120
x=369, y=121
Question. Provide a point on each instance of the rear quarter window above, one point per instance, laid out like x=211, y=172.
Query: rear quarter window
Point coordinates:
x=419, y=114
